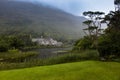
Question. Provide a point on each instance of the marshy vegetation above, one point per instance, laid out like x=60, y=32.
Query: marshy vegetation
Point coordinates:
x=14, y=59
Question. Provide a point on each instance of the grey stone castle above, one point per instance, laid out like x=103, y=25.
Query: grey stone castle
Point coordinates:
x=47, y=41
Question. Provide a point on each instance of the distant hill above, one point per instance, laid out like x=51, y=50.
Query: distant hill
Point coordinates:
x=37, y=19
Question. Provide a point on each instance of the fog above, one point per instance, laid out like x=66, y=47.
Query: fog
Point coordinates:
x=77, y=7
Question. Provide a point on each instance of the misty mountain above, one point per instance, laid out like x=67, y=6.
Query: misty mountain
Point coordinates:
x=37, y=19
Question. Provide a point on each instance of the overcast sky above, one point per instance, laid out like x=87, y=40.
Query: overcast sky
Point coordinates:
x=77, y=7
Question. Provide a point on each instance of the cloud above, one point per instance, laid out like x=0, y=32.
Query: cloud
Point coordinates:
x=76, y=7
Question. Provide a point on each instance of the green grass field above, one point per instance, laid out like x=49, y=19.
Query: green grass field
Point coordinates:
x=87, y=70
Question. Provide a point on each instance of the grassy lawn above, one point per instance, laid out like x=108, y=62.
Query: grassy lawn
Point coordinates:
x=86, y=70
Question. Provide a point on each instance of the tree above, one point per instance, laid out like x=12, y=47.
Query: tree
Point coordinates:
x=117, y=5
x=26, y=39
x=109, y=43
x=3, y=46
x=94, y=27
x=15, y=42
x=83, y=44
x=113, y=20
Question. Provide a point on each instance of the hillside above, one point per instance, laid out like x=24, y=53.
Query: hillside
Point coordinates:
x=87, y=70
x=36, y=19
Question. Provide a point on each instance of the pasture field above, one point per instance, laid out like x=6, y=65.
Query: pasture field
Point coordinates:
x=85, y=70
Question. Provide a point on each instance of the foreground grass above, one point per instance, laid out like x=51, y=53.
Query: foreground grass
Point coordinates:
x=87, y=70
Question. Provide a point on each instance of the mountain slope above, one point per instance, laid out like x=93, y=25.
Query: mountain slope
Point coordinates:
x=25, y=17
x=87, y=70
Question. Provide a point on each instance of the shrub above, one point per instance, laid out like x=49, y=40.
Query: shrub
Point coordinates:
x=3, y=46
x=15, y=42
x=109, y=45
x=83, y=44
x=15, y=56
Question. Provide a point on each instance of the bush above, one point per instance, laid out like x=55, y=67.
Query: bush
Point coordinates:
x=83, y=44
x=104, y=46
x=15, y=56
x=15, y=42
x=109, y=45
x=3, y=46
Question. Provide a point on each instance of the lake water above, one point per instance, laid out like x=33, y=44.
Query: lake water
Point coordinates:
x=51, y=52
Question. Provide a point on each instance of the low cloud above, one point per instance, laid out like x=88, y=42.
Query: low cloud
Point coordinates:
x=76, y=7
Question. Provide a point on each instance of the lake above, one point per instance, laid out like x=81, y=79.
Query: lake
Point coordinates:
x=51, y=52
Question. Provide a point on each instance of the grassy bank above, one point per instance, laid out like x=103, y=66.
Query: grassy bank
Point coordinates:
x=21, y=60
x=15, y=56
x=86, y=70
